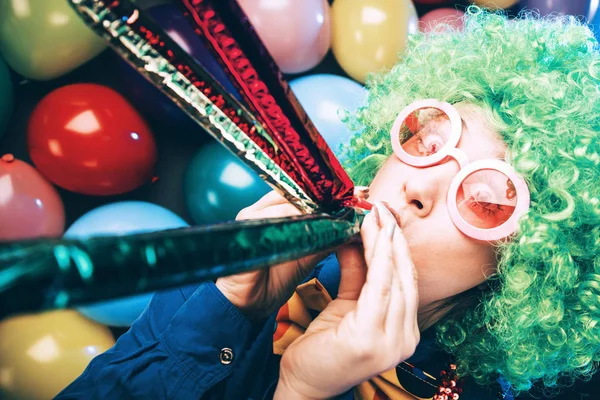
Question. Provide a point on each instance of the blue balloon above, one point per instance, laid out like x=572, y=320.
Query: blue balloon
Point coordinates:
x=122, y=218
x=323, y=97
x=594, y=19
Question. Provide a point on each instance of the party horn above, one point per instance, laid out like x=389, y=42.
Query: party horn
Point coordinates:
x=46, y=274
x=280, y=144
x=228, y=33
x=146, y=47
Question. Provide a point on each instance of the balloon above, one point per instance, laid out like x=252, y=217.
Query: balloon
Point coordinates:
x=217, y=185
x=369, y=35
x=296, y=33
x=413, y=19
x=30, y=207
x=545, y=7
x=41, y=354
x=6, y=96
x=149, y=99
x=430, y=1
x=88, y=139
x=122, y=218
x=496, y=4
x=324, y=97
x=446, y=16
x=45, y=39
x=594, y=19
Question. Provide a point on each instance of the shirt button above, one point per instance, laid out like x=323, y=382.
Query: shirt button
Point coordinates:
x=226, y=355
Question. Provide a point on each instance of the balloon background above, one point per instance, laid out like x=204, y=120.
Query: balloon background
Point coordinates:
x=182, y=176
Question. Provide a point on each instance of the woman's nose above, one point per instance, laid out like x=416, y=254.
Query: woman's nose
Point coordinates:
x=427, y=187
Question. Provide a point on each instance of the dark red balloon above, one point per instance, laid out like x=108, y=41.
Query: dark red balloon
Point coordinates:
x=88, y=139
x=30, y=207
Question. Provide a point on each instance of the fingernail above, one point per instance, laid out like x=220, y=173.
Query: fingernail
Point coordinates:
x=390, y=228
x=387, y=220
x=376, y=216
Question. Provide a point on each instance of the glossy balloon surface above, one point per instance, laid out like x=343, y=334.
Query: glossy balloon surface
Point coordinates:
x=40, y=354
x=122, y=218
x=30, y=207
x=218, y=185
x=369, y=35
x=296, y=33
x=569, y=7
x=88, y=139
x=496, y=4
x=325, y=98
x=45, y=39
x=446, y=16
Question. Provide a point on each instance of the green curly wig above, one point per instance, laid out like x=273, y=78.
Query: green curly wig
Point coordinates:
x=539, y=80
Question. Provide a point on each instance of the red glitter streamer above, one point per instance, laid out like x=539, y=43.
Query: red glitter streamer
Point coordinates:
x=312, y=159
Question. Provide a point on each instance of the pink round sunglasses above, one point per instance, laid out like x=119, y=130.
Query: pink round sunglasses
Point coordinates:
x=487, y=197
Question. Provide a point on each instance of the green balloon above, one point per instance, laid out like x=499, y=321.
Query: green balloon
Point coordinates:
x=6, y=96
x=45, y=39
x=217, y=185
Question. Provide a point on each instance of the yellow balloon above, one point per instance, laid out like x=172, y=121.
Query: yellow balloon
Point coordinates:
x=45, y=39
x=42, y=354
x=369, y=35
x=495, y=4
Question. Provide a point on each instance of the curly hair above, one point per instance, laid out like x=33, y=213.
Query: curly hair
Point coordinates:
x=539, y=81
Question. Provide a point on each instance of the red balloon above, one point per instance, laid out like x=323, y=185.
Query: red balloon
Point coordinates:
x=88, y=139
x=29, y=205
x=446, y=16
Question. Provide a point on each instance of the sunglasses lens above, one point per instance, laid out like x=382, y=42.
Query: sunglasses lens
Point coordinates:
x=425, y=131
x=486, y=198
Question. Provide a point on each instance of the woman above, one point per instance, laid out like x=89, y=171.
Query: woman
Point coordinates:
x=514, y=307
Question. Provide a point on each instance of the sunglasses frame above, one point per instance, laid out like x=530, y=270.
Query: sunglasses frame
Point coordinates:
x=450, y=149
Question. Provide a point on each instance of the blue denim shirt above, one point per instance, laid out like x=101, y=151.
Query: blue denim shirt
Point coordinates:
x=173, y=351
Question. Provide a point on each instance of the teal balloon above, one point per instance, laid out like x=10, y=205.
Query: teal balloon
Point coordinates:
x=6, y=96
x=217, y=185
x=122, y=218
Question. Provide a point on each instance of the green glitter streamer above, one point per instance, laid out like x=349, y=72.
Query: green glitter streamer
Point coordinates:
x=56, y=273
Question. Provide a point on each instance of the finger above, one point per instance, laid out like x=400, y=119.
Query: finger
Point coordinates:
x=353, y=269
x=273, y=211
x=368, y=232
x=269, y=199
x=361, y=192
x=402, y=318
x=292, y=273
x=373, y=303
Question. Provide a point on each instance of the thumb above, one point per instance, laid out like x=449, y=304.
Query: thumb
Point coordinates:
x=353, y=269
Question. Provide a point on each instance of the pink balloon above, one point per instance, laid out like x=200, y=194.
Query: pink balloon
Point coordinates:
x=297, y=33
x=448, y=16
x=30, y=207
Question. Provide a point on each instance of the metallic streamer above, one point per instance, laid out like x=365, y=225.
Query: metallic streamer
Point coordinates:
x=137, y=39
x=57, y=273
x=227, y=31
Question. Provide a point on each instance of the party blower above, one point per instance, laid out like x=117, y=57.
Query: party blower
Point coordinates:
x=270, y=132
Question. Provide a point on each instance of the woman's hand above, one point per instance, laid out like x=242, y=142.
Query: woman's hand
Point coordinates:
x=369, y=328
x=259, y=293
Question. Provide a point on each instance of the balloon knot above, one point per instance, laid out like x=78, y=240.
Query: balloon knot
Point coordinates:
x=8, y=158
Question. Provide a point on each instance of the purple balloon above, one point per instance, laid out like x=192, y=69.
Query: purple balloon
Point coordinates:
x=146, y=97
x=568, y=7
